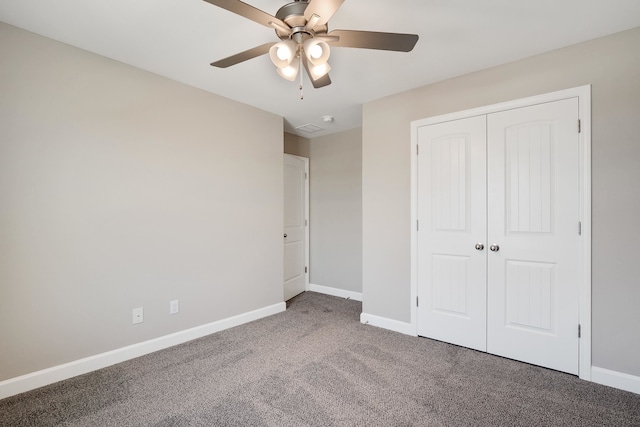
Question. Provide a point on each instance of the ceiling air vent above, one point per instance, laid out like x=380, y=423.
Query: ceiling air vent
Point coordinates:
x=309, y=128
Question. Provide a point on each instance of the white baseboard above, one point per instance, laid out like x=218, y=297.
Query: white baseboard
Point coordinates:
x=47, y=376
x=615, y=379
x=392, y=325
x=335, y=292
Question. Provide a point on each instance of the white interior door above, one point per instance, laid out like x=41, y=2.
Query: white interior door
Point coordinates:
x=533, y=202
x=295, y=225
x=452, y=221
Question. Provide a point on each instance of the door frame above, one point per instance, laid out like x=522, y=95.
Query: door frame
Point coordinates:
x=306, y=218
x=583, y=93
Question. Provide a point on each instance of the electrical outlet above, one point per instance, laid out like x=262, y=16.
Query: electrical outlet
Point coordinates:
x=138, y=315
x=174, y=307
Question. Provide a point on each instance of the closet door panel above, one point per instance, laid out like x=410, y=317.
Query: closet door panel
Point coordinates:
x=452, y=218
x=533, y=211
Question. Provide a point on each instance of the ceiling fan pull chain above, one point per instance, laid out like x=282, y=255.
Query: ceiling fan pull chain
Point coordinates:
x=301, y=94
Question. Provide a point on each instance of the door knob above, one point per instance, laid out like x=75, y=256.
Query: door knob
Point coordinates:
x=285, y=235
x=494, y=248
x=479, y=246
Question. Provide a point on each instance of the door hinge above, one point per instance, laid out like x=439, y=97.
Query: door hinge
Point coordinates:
x=417, y=302
x=305, y=223
x=305, y=175
x=579, y=331
x=579, y=126
x=579, y=228
x=305, y=269
x=417, y=149
x=417, y=225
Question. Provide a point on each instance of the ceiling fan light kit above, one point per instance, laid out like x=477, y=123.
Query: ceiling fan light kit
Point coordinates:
x=305, y=38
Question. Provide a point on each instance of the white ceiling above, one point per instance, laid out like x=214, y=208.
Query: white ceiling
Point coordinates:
x=179, y=38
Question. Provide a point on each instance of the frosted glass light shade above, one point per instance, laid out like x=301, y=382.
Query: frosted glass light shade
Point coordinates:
x=316, y=51
x=290, y=71
x=317, y=71
x=283, y=53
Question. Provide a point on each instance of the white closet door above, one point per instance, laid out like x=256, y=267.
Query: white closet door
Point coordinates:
x=533, y=203
x=452, y=220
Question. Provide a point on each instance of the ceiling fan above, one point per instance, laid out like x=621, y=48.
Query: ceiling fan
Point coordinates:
x=305, y=38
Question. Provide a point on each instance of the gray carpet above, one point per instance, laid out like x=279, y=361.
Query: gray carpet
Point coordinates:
x=316, y=365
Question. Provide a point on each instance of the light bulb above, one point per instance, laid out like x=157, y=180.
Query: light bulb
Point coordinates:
x=315, y=51
x=283, y=53
x=289, y=71
x=320, y=70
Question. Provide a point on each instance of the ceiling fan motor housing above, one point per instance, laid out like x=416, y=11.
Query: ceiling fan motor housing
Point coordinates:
x=293, y=15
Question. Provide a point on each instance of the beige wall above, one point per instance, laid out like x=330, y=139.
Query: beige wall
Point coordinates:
x=296, y=145
x=336, y=210
x=612, y=66
x=120, y=189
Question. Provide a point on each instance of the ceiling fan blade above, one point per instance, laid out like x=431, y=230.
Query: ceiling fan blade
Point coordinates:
x=243, y=56
x=327, y=38
x=320, y=82
x=323, y=8
x=249, y=12
x=373, y=40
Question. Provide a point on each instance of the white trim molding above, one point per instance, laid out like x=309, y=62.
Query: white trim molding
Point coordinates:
x=336, y=292
x=390, y=324
x=54, y=374
x=583, y=94
x=615, y=379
